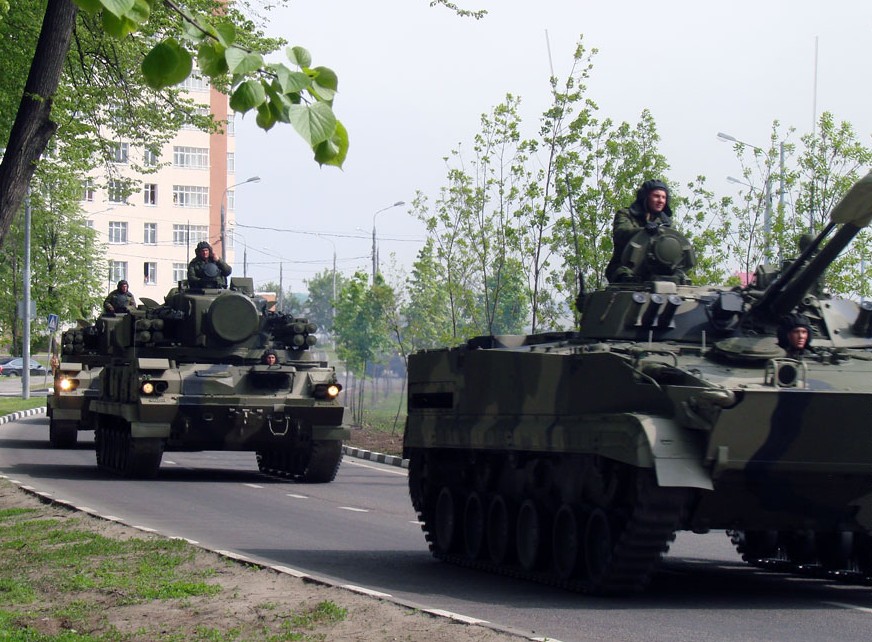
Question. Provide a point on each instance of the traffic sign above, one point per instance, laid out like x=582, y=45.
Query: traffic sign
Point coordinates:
x=52, y=322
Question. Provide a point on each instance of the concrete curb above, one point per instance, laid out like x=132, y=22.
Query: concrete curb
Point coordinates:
x=21, y=414
x=380, y=458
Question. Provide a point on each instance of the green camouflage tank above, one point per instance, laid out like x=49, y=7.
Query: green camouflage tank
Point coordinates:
x=189, y=375
x=573, y=458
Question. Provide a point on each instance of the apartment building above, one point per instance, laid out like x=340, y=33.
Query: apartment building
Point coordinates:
x=150, y=235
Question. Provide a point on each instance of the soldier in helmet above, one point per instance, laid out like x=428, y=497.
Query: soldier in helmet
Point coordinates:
x=649, y=211
x=120, y=299
x=269, y=358
x=207, y=270
x=794, y=335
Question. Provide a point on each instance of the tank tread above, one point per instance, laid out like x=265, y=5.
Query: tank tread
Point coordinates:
x=119, y=453
x=317, y=464
x=648, y=532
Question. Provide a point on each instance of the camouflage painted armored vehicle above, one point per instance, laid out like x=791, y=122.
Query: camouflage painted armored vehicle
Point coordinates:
x=189, y=375
x=76, y=383
x=573, y=458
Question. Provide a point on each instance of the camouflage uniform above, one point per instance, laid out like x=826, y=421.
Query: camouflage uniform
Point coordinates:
x=118, y=300
x=196, y=276
x=630, y=220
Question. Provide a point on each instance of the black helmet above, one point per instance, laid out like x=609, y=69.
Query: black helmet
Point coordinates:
x=647, y=187
x=203, y=245
x=122, y=282
x=787, y=323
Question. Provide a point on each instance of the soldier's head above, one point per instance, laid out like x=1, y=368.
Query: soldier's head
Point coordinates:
x=269, y=358
x=123, y=286
x=653, y=196
x=204, y=250
x=794, y=332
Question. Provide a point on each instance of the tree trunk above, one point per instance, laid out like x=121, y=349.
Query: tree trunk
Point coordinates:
x=33, y=127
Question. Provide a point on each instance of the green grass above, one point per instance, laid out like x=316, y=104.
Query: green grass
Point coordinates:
x=8, y=405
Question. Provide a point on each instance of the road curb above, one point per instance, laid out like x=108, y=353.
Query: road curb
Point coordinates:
x=21, y=414
x=381, y=458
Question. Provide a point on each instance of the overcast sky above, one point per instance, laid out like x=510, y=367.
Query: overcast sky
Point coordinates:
x=415, y=80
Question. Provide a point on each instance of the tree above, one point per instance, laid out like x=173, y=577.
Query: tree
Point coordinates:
x=205, y=29
x=321, y=303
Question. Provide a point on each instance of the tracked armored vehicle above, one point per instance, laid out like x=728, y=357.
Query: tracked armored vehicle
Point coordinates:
x=188, y=375
x=573, y=458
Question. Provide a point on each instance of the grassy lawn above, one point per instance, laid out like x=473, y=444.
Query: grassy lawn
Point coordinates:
x=9, y=405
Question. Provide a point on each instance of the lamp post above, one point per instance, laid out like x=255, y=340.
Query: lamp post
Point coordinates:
x=374, y=246
x=333, y=300
x=767, y=215
x=253, y=179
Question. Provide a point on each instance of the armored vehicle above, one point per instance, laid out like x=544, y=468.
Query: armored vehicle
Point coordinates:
x=573, y=458
x=189, y=375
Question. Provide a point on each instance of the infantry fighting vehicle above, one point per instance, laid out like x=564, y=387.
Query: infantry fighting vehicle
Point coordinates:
x=188, y=375
x=573, y=458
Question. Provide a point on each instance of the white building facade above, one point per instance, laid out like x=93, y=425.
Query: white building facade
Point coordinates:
x=150, y=235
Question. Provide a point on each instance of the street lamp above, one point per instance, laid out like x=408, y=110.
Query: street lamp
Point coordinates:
x=374, y=247
x=253, y=179
x=767, y=216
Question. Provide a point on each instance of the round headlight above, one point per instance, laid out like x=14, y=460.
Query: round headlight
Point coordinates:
x=147, y=388
x=65, y=384
x=333, y=391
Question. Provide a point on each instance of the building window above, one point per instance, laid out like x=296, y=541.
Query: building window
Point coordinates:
x=117, y=272
x=149, y=273
x=231, y=200
x=231, y=124
x=88, y=191
x=117, y=191
x=120, y=152
x=150, y=158
x=231, y=162
x=189, y=234
x=190, y=196
x=149, y=233
x=195, y=83
x=117, y=231
x=180, y=272
x=149, y=194
x=198, y=113
x=192, y=157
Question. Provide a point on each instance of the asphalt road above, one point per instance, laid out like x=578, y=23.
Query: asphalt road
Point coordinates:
x=361, y=530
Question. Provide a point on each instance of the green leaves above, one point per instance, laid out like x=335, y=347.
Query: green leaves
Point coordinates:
x=302, y=98
x=167, y=64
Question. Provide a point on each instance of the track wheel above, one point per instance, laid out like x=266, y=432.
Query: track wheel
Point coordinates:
x=530, y=536
x=566, y=542
x=834, y=549
x=500, y=530
x=323, y=463
x=473, y=526
x=445, y=519
x=597, y=545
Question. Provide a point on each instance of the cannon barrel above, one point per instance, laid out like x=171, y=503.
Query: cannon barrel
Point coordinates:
x=850, y=215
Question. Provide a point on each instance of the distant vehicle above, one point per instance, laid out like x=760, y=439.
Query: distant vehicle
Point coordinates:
x=13, y=367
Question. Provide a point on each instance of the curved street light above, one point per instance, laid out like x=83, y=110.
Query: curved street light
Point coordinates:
x=374, y=246
x=252, y=179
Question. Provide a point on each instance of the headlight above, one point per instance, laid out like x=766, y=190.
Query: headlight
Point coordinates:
x=152, y=387
x=66, y=384
x=327, y=391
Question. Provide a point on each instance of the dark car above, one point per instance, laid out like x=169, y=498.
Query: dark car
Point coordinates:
x=14, y=367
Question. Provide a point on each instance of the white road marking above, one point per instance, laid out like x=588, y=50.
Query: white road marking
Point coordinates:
x=355, y=510
x=295, y=496
x=253, y=485
x=379, y=468
x=853, y=607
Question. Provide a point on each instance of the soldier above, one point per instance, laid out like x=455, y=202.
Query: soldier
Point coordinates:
x=207, y=270
x=649, y=211
x=269, y=358
x=119, y=299
x=794, y=335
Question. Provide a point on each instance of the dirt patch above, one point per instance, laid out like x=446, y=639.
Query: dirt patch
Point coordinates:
x=377, y=441
x=252, y=605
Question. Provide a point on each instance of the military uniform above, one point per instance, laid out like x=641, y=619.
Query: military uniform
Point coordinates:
x=119, y=300
x=197, y=277
x=628, y=221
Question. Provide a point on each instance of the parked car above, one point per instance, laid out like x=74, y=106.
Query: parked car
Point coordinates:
x=14, y=367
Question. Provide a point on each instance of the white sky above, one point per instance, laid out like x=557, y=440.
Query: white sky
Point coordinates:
x=415, y=80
